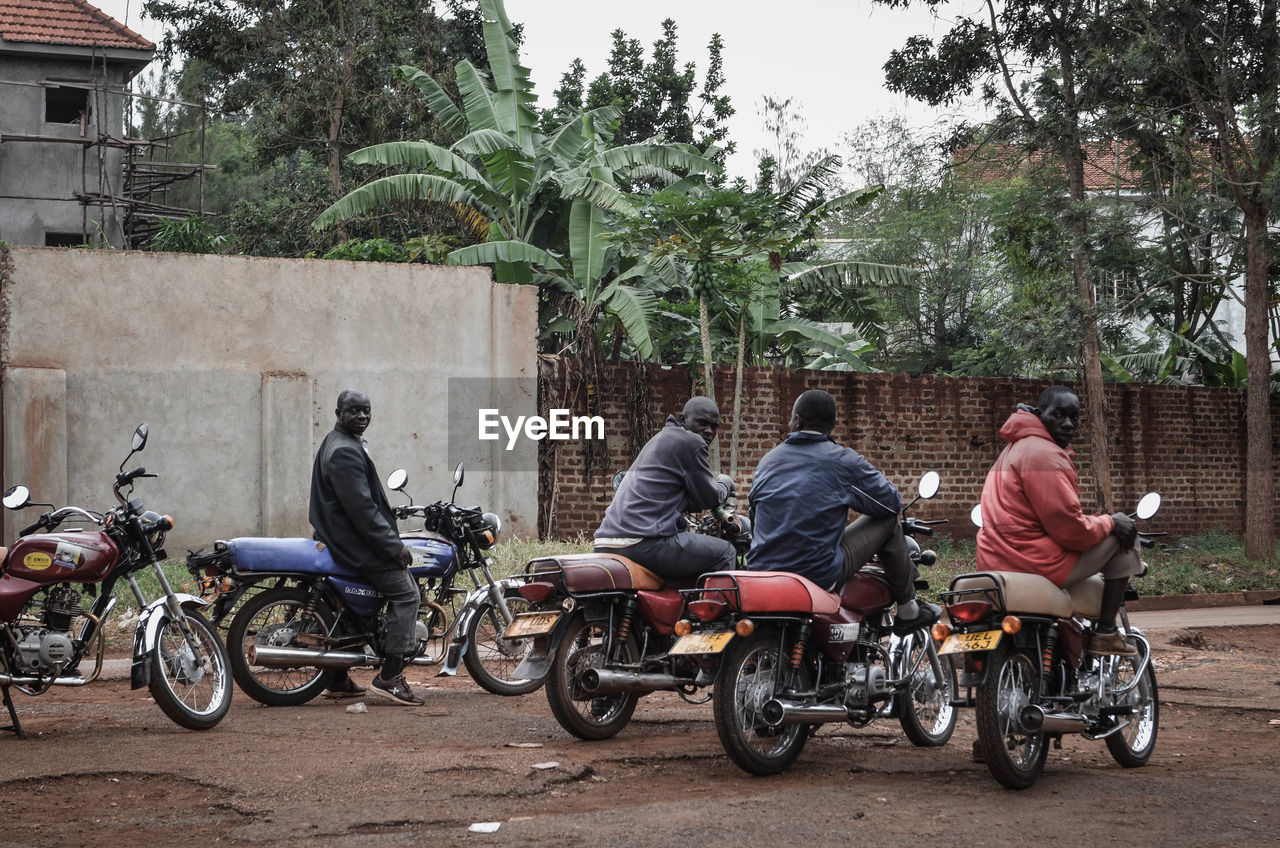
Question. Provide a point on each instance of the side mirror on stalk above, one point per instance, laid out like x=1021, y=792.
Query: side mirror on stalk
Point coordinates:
x=1148, y=505
x=458, y=474
x=929, y=484
x=140, y=437
x=16, y=497
x=975, y=515
x=617, y=479
x=397, y=479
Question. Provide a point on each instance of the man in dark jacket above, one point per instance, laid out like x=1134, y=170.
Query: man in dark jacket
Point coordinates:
x=800, y=499
x=351, y=515
x=671, y=475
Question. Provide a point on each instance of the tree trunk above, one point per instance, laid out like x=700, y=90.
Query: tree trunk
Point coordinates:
x=335, y=156
x=1259, y=516
x=708, y=372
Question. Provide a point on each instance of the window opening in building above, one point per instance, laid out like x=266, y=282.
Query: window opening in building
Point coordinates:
x=63, y=239
x=65, y=105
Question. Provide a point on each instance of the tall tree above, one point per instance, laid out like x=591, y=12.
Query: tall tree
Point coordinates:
x=1217, y=64
x=1052, y=37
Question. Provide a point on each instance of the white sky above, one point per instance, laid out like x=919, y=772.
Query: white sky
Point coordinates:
x=827, y=55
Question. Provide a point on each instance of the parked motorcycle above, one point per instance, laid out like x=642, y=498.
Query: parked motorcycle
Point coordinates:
x=46, y=632
x=792, y=656
x=1023, y=645
x=310, y=617
x=602, y=627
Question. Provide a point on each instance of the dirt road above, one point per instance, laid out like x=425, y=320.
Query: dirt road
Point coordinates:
x=102, y=765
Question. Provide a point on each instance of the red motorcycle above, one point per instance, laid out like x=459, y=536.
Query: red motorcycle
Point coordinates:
x=792, y=656
x=46, y=631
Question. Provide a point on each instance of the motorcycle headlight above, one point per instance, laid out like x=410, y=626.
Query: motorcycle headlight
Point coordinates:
x=486, y=530
x=155, y=526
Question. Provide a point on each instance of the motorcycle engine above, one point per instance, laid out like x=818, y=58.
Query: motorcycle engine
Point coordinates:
x=48, y=648
x=864, y=684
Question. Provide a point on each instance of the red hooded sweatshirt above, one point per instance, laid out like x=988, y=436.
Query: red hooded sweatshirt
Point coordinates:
x=1031, y=516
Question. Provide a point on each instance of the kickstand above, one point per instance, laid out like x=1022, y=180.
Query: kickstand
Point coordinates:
x=16, y=727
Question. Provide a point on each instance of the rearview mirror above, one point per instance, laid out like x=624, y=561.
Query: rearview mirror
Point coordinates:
x=975, y=515
x=929, y=484
x=140, y=437
x=17, y=497
x=458, y=474
x=1149, y=505
x=396, y=480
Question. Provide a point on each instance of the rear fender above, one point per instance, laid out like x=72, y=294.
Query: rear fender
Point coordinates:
x=147, y=632
x=537, y=662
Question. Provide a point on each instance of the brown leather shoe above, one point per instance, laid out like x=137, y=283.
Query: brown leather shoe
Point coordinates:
x=1113, y=643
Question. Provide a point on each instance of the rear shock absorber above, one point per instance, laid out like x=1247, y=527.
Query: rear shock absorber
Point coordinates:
x=626, y=615
x=797, y=650
x=1047, y=651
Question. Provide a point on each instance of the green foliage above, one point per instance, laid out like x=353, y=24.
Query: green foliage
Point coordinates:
x=194, y=234
x=368, y=250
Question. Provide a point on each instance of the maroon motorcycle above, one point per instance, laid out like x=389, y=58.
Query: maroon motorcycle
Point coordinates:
x=47, y=633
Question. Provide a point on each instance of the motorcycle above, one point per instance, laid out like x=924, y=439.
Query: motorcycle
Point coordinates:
x=45, y=630
x=791, y=656
x=1022, y=642
x=602, y=626
x=309, y=617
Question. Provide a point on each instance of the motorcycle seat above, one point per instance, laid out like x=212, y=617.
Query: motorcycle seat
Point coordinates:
x=771, y=591
x=1036, y=595
x=596, y=572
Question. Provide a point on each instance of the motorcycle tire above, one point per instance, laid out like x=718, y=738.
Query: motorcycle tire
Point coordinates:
x=1014, y=757
x=1132, y=747
x=579, y=647
x=750, y=675
x=924, y=706
x=192, y=687
x=273, y=617
x=491, y=660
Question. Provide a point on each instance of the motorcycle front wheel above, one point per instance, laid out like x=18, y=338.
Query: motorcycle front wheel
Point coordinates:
x=924, y=704
x=276, y=618
x=491, y=660
x=579, y=647
x=191, y=686
x=1132, y=747
x=750, y=675
x=1014, y=757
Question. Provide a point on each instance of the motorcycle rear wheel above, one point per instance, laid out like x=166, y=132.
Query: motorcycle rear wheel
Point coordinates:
x=924, y=704
x=275, y=617
x=579, y=647
x=1014, y=757
x=191, y=687
x=1132, y=747
x=750, y=675
x=491, y=660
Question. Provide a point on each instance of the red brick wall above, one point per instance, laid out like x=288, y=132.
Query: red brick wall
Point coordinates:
x=1185, y=442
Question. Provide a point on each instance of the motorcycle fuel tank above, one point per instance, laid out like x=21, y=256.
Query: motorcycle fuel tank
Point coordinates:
x=74, y=557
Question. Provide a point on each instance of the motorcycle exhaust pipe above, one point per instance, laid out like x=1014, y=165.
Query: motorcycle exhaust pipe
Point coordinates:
x=1034, y=719
x=294, y=657
x=10, y=680
x=602, y=681
x=778, y=713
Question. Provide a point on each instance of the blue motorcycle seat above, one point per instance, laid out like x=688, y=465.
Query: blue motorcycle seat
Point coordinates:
x=433, y=557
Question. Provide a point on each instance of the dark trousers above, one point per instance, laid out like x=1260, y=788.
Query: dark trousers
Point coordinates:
x=868, y=536
x=402, y=597
x=683, y=555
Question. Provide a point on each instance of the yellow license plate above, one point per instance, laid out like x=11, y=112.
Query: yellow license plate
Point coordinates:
x=531, y=624
x=702, y=643
x=963, y=643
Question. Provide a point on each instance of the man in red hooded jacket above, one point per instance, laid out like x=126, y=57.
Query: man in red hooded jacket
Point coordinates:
x=1032, y=520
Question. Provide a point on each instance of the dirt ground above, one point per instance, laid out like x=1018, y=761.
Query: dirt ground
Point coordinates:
x=102, y=765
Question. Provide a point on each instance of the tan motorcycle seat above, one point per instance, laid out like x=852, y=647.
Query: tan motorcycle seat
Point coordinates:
x=596, y=572
x=1036, y=595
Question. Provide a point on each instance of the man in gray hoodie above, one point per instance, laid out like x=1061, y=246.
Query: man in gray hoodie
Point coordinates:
x=670, y=476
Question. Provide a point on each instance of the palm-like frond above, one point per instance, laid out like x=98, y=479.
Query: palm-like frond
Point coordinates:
x=398, y=189
x=669, y=156
x=422, y=156
x=439, y=101
x=597, y=192
x=511, y=251
x=632, y=308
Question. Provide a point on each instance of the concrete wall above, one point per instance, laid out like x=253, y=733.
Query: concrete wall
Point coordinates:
x=236, y=363
x=39, y=180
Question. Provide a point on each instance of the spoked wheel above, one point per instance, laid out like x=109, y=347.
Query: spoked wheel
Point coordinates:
x=191, y=686
x=278, y=618
x=1013, y=756
x=751, y=674
x=492, y=660
x=924, y=705
x=579, y=647
x=1132, y=746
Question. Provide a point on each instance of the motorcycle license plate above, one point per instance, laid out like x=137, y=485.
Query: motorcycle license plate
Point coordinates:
x=702, y=643
x=531, y=624
x=963, y=643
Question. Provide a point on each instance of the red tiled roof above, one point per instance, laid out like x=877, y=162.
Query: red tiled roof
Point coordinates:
x=65, y=22
x=1107, y=166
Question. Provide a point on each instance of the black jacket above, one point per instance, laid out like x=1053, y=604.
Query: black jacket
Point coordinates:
x=349, y=510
